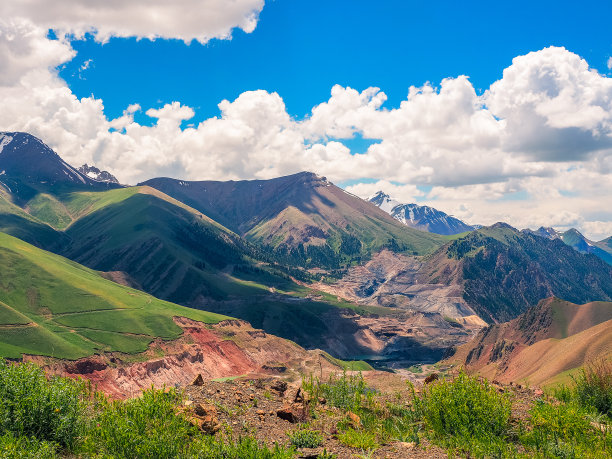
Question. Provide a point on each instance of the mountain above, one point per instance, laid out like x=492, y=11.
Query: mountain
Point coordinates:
x=576, y=240
x=541, y=345
x=302, y=218
x=28, y=166
x=52, y=306
x=423, y=218
x=96, y=174
x=492, y=274
x=503, y=271
x=36, y=181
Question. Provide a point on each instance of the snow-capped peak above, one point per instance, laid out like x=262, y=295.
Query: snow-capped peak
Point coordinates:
x=384, y=201
x=419, y=217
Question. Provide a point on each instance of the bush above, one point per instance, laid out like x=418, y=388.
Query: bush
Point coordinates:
x=565, y=430
x=594, y=387
x=305, y=438
x=345, y=392
x=361, y=439
x=12, y=447
x=465, y=411
x=32, y=406
x=140, y=428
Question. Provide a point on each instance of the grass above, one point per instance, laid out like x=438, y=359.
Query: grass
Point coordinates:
x=349, y=365
x=32, y=406
x=42, y=417
x=465, y=415
x=305, y=438
x=465, y=412
x=591, y=388
x=46, y=418
x=56, y=307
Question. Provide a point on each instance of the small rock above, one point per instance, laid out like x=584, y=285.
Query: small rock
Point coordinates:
x=201, y=409
x=355, y=420
x=198, y=381
x=279, y=386
x=407, y=444
x=287, y=414
x=322, y=400
x=261, y=412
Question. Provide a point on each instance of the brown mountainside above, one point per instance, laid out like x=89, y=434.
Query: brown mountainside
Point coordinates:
x=550, y=339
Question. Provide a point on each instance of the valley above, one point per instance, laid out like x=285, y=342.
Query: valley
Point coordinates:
x=231, y=285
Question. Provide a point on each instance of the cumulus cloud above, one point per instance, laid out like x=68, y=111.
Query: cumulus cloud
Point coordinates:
x=188, y=20
x=555, y=107
x=532, y=150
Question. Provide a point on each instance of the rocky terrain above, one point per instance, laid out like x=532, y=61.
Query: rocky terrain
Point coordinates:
x=228, y=349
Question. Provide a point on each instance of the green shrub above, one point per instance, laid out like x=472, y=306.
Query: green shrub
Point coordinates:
x=594, y=387
x=305, y=438
x=345, y=392
x=140, y=428
x=361, y=439
x=12, y=447
x=47, y=410
x=245, y=448
x=562, y=430
x=465, y=412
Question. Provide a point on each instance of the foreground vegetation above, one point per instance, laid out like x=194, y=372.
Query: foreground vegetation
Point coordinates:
x=470, y=417
x=44, y=417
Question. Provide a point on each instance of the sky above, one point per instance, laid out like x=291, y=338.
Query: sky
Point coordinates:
x=487, y=112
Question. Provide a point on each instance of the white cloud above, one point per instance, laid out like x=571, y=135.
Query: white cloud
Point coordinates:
x=555, y=107
x=541, y=133
x=610, y=63
x=187, y=20
x=401, y=193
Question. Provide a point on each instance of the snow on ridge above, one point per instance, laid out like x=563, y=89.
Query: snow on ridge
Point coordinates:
x=5, y=139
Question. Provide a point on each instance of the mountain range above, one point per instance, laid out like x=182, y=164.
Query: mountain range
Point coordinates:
x=575, y=239
x=295, y=256
x=423, y=218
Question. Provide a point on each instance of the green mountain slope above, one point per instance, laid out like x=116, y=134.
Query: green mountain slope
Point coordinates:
x=575, y=239
x=301, y=218
x=172, y=251
x=503, y=271
x=54, y=307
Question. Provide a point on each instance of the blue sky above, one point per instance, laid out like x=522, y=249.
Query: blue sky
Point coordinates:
x=488, y=111
x=301, y=48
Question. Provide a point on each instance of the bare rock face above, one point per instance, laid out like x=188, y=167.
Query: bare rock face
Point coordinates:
x=203, y=353
x=96, y=174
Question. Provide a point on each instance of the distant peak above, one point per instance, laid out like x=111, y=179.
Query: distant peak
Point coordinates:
x=379, y=195
x=574, y=231
x=502, y=225
x=96, y=174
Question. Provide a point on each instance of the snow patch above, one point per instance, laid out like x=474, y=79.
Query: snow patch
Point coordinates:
x=4, y=141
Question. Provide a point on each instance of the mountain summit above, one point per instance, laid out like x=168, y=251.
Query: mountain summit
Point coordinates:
x=94, y=173
x=28, y=166
x=302, y=217
x=423, y=218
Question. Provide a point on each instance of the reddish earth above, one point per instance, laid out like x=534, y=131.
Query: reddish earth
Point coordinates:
x=228, y=349
x=543, y=345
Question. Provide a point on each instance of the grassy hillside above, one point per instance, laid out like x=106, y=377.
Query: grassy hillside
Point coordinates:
x=16, y=222
x=302, y=218
x=172, y=251
x=52, y=306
